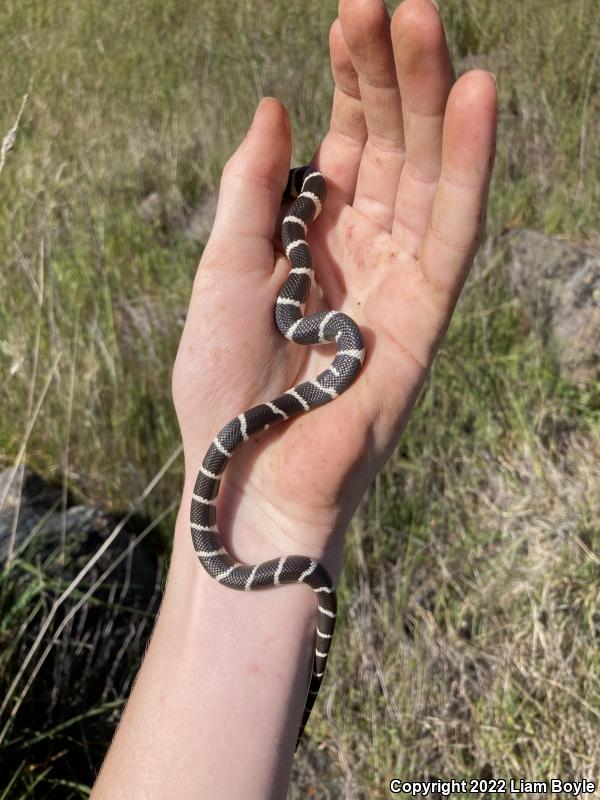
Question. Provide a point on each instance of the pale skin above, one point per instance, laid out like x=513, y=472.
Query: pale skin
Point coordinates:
x=408, y=158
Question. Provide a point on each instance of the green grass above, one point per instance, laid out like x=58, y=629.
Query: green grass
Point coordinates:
x=471, y=570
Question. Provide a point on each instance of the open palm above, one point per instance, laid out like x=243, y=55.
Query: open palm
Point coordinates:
x=407, y=161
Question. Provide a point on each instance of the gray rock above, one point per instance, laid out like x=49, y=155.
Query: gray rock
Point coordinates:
x=87, y=637
x=560, y=282
x=170, y=212
x=201, y=221
x=25, y=501
x=36, y=516
x=167, y=210
x=151, y=208
x=143, y=327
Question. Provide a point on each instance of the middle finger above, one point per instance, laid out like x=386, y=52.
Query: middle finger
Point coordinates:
x=366, y=29
x=425, y=76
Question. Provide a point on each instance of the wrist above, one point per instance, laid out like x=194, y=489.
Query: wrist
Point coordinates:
x=253, y=530
x=231, y=670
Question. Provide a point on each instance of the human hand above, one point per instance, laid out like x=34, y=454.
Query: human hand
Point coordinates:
x=407, y=159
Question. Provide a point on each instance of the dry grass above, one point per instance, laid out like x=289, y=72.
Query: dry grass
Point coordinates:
x=469, y=656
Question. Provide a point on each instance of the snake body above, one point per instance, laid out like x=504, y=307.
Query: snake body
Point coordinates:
x=307, y=188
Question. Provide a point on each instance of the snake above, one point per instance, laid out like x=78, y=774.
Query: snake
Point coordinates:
x=306, y=187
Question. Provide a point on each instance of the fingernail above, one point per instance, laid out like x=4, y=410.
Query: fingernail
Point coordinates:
x=493, y=76
x=436, y=4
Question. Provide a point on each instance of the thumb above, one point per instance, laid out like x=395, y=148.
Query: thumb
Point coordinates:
x=254, y=177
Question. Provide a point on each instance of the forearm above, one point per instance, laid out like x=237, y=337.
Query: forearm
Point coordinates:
x=217, y=703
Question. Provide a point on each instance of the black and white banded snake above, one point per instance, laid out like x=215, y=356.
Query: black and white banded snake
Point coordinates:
x=318, y=328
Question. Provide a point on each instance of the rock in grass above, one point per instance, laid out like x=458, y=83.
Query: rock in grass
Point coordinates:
x=79, y=637
x=560, y=284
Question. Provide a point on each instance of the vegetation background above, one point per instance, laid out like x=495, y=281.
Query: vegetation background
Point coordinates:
x=469, y=638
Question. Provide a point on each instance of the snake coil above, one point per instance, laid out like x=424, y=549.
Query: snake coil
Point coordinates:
x=318, y=328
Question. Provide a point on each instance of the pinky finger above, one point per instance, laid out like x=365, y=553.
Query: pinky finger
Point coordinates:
x=458, y=215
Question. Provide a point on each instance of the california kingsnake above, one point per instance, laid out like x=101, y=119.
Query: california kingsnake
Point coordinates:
x=318, y=328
